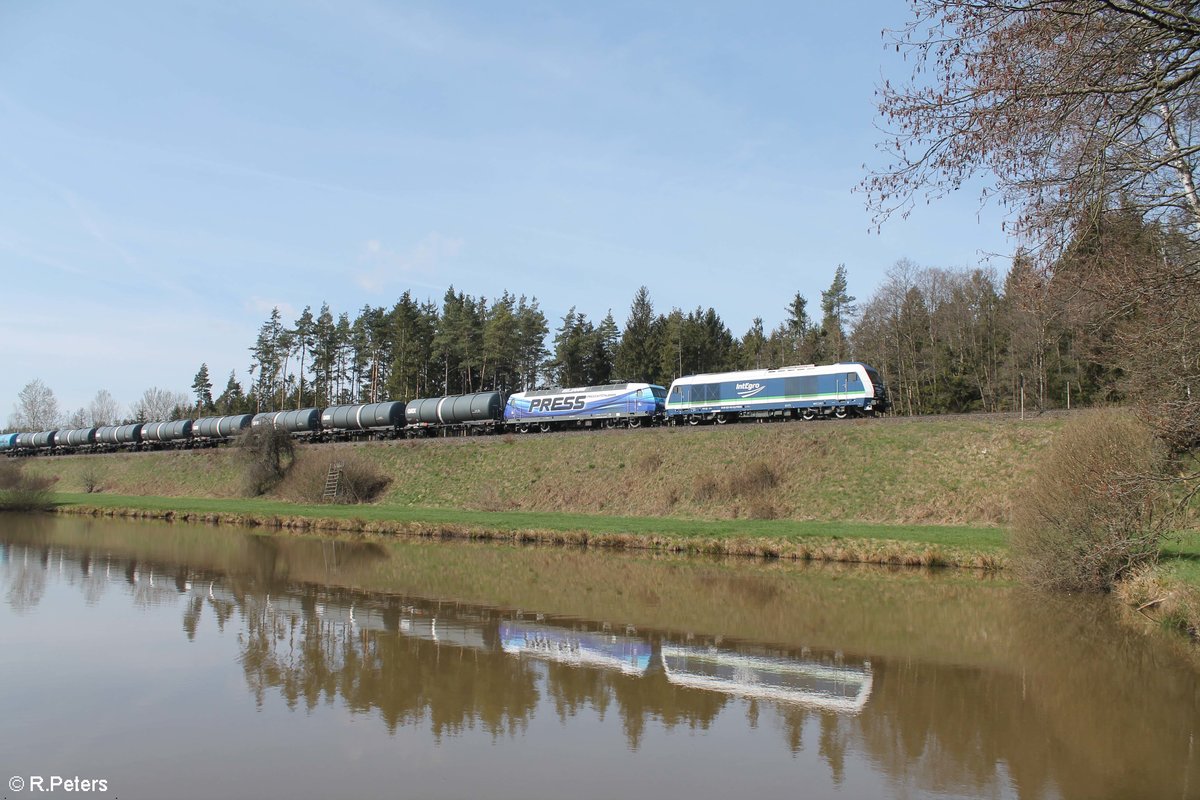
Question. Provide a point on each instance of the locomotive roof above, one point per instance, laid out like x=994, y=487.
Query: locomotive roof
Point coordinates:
x=609, y=387
x=745, y=374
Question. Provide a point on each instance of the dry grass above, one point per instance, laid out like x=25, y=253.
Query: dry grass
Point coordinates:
x=20, y=491
x=1149, y=591
x=1097, y=506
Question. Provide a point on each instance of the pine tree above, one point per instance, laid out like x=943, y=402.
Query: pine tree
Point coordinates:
x=202, y=388
x=305, y=340
x=232, y=400
x=638, y=357
x=838, y=307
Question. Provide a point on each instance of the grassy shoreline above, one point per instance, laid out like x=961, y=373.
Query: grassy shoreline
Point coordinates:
x=908, y=545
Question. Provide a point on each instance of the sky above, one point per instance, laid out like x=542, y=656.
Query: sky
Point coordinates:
x=170, y=172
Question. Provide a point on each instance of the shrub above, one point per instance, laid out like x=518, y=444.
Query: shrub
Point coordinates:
x=756, y=477
x=21, y=492
x=91, y=478
x=1097, y=505
x=752, y=482
x=267, y=453
x=362, y=480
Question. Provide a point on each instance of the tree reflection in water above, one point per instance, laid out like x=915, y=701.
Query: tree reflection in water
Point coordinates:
x=1046, y=697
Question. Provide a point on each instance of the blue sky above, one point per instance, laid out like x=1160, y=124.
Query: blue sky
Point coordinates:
x=171, y=171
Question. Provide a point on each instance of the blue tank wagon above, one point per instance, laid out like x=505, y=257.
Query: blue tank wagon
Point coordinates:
x=617, y=404
x=806, y=392
x=8, y=443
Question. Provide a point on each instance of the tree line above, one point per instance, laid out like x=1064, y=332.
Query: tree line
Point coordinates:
x=472, y=344
x=944, y=340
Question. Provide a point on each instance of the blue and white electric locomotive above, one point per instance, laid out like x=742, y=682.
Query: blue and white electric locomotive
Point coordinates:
x=617, y=404
x=807, y=391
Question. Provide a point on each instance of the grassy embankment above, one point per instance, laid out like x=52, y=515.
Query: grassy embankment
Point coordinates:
x=907, y=492
x=922, y=492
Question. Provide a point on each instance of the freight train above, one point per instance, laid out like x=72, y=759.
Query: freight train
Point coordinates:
x=803, y=392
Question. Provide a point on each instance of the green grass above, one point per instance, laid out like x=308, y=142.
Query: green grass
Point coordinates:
x=1181, y=558
x=983, y=539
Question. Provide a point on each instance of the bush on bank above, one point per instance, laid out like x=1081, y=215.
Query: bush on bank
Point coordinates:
x=20, y=491
x=1097, y=505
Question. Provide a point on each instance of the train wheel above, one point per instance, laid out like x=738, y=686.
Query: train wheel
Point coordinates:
x=544, y=427
x=808, y=415
x=635, y=422
x=840, y=412
x=693, y=419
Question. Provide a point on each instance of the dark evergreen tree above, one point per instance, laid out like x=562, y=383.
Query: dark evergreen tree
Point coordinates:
x=838, y=307
x=532, y=330
x=638, y=355
x=304, y=340
x=233, y=399
x=202, y=388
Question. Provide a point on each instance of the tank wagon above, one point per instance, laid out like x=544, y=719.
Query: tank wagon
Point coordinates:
x=160, y=433
x=8, y=441
x=303, y=421
x=353, y=421
x=805, y=392
x=478, y=413
x=80, y=437
x=110, y=436
x=617, y=404
x=211, y=429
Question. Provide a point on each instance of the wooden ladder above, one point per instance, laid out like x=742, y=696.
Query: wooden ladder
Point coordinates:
x=333, y=482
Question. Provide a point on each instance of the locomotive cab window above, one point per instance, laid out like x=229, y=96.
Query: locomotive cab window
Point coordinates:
x=851, y=377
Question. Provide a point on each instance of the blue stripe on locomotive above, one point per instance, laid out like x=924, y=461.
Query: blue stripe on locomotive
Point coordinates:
x=634, y=402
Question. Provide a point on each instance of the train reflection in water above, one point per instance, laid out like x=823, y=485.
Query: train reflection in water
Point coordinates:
x=829, y=687
x=826, y=683
x=577, y=648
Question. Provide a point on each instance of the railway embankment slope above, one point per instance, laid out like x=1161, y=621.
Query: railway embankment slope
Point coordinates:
x=955, y=471
x=929, y=491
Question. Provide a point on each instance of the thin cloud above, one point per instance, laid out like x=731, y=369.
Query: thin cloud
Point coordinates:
x=417, y=265
x=264, y=305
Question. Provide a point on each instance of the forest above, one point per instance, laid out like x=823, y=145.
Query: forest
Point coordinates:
x=945, y=341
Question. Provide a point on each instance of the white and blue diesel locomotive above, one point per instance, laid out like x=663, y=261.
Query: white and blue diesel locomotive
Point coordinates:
x=807, y=391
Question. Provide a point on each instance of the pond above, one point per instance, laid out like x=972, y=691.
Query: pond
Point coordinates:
x=148, y=660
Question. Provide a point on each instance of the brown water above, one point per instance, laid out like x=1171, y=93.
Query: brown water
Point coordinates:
x=195, y=662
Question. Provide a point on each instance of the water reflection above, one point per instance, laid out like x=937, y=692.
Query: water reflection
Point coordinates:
x=1040, y=698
